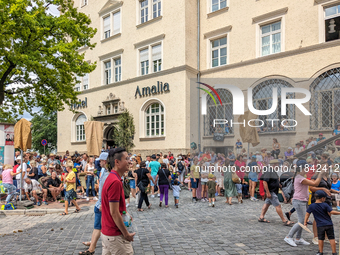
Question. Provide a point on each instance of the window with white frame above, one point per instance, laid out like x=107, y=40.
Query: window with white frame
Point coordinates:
x=116, y=108
x=118, y=69
x=150, y=59
x=218, y=4
x=332, y=23
x=144, y=11
x=107, y=27
x=150, y=9
x=108, y=109
x=107, y=72
x=80, y=130
x=219, y=52
x=154, y=120
x=85, y=81
x=157, y=58
x=156, y=8
x=144, y=61
x=111, y=28
x=116, y=22
x=270, y=38
x=77, y=86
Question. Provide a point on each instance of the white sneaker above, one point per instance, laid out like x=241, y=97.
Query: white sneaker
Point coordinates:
x=315, y=241
x=159, y=195
x=202, y=200
x=206, y=200
x=95, y=198
x=87, y=199
x=301, y=241
x=290, y=241
x=127, y=205
x=209, y=204
x=152, y=196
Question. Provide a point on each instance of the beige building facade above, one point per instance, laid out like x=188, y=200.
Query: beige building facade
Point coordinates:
x=152, y=47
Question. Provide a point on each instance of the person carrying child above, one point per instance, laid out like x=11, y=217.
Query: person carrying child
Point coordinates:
x=175, y=191
x=211, y=189
x=322, y=215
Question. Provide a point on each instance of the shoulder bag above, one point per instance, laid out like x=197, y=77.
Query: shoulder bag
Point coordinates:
x=170, y=186
x=140, y=184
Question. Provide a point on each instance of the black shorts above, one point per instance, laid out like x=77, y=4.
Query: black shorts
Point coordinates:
x=326, y=229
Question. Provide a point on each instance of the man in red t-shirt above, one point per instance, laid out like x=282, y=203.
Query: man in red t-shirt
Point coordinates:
x=115, y=237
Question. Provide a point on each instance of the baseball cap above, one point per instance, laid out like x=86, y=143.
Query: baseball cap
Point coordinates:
x=103, y=156
x=320, y=194
x=290, y=148
x=320, y=134
x=253, y=156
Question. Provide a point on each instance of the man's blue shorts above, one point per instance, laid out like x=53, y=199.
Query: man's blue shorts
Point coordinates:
x=194, y=185
x=97, y=219
x=154, y=177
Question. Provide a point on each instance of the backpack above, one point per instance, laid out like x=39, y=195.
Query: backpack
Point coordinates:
x=288, y=188
x=9, y=206
x=180, y=167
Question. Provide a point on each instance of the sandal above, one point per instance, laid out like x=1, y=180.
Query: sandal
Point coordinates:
x=87, y=243
x=149, y=206
x=288, y=224
x=77, y=211
x=160, y=204
x=64, y=213
x=87, y=252
x=263, y=220
x=140, y=210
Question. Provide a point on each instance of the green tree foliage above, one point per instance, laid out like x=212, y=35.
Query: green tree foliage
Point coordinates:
x=44, y=126
x=124, y=131
x=39, y=60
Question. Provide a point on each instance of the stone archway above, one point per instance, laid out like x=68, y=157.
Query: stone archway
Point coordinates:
x=108, y=136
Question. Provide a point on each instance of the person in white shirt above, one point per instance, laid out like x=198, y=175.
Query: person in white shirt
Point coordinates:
x=311, y=143
x=23, y=174
x=32, y=186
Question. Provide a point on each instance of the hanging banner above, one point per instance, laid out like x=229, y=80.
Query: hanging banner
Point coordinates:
x=9, y=134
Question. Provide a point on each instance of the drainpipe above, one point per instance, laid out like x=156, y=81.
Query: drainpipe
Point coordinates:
x=198, y=75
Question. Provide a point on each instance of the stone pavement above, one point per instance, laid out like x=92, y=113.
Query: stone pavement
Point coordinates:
x=193, y=228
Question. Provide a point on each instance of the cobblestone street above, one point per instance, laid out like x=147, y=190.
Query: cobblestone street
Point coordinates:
x=193, y=228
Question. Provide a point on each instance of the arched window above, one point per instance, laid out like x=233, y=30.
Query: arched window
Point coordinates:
x=218, y=111
x=325, y=101
x=154, y=120
x=80, y=130
x=263, y=100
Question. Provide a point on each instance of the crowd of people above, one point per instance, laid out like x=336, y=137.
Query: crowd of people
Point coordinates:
x=115, y=176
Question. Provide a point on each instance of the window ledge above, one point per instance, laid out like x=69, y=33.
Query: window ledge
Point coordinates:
x=211, y=136
x=212, y=14
x=79, y=142
x=83, y=48
x=324, y=131
x=149, y=22
x=277, y=133
x=154, y=138
x=111, y=37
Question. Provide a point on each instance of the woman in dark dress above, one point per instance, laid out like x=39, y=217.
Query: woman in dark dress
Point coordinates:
x=143, y=177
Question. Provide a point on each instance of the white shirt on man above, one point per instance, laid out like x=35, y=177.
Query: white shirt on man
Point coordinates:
x=24, y=169
x=34, y=185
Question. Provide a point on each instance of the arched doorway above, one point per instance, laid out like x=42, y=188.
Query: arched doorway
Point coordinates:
x=108, y=136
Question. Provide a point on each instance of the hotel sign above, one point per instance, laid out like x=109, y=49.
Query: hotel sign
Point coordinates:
x=80, y=104
x=147, y=91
